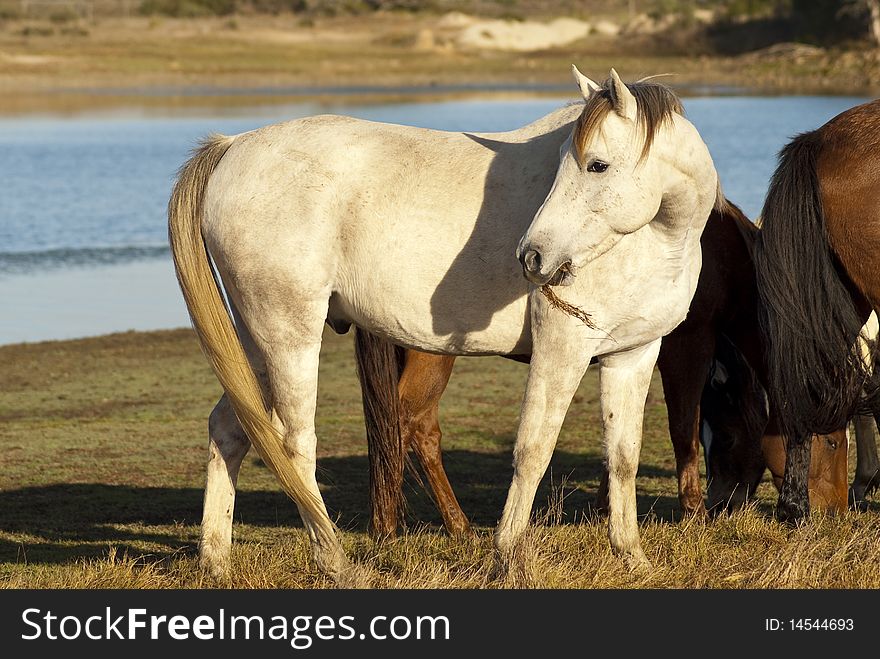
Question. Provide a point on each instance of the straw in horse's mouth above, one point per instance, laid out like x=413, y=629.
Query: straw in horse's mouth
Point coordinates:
x=563, y=276
x=566, y=307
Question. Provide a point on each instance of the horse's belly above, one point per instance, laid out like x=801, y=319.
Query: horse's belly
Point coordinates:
x=420, y=313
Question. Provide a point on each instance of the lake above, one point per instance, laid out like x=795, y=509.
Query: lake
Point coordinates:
x=82, y=210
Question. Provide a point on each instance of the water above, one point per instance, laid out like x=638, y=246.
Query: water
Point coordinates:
x=82, y=203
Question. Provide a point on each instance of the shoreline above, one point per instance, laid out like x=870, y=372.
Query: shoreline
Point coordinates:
x=164, y=100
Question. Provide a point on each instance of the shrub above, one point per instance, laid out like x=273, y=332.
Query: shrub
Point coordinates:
x=278, y=6
x=9, y=12
x=63, y=15
x=188, y=8
x=37, y=31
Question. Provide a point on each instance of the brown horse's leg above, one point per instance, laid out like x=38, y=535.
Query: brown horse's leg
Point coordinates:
x=602, y=504
x=794, y=495
x=685, y=358
x=426, y=443
x=867, y=476
x=379, y=364
x=422, y=384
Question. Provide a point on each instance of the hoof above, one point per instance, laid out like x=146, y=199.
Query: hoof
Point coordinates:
x=460, y=529
x=354, y=577
x=380, y=531
x=215, y=560
x=335, y=565
x=637, y=562
x=216, y=570
x=517, y=567
x=331, y=559
x=792, y=513
x=500, y=566
x=602, y=506
x=857, y=501
x=718, y=511
x=697, y=511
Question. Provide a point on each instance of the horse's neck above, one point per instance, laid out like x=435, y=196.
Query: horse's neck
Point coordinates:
x=690, y=187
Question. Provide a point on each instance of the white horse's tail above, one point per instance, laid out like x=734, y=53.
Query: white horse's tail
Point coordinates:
x=216, y=332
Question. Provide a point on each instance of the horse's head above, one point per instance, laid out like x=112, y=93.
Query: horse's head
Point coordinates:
x=734, y=414
x=615, y=170
x=828, y=480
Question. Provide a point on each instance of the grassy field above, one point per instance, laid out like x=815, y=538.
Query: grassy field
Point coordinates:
x=102, y=450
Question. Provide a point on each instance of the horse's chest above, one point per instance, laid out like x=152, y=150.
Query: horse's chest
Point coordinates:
x=649, y=301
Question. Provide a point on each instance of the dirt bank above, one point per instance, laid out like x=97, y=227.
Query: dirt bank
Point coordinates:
x=169, y=57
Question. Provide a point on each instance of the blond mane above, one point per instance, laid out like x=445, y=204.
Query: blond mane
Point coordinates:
x=656, y=104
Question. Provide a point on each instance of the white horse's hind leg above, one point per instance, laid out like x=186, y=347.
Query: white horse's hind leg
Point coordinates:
x=555, y=372
x=227, y=447
x=292, y=351
x=624, y=380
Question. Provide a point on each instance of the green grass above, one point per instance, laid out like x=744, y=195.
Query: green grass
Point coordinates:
x=102, y=452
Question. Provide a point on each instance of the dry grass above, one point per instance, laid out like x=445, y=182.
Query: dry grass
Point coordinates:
x=102, y=465
x=745, y=551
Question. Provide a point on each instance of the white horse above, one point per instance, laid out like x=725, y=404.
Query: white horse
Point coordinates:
x=410, y=234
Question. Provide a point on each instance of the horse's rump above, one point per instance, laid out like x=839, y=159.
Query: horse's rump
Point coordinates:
x=811, y=310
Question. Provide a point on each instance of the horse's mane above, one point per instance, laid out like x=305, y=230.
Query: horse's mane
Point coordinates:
x=747, y=229
x=656, y=104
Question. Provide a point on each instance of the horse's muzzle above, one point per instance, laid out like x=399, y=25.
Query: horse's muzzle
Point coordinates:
x=531, y=265
x=532, y=262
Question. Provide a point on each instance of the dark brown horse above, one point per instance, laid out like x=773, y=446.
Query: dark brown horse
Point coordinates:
x=818, y=272
x=402, y=391
x=867, y=476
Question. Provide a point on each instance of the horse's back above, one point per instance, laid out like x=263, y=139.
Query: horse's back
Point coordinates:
x=311, y=185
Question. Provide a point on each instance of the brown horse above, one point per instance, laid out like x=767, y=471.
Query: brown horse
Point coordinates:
x=818, y=273
x=719, y=334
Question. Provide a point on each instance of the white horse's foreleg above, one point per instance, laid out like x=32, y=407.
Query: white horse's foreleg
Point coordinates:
x=228, y=445
x=624, y=380
x=554, y=375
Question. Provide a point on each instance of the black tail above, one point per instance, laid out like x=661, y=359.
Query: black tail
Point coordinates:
x=379, y=365
x=808, y=317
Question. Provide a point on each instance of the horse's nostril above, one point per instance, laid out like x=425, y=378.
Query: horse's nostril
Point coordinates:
x=531, y=261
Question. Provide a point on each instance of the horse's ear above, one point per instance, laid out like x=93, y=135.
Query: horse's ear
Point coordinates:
x=622, y=100
x=587, y=86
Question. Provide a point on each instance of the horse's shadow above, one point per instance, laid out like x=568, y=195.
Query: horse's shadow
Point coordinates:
x=64, y=522
x=504, y=216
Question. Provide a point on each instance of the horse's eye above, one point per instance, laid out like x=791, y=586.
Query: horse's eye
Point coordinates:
x=597, y=167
